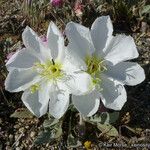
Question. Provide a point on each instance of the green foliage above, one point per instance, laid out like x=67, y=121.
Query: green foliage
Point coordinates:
x=22, y=113
x=145, y=9
x=144, y=12
x=49, y=123
x=107, y=129
x=73, y=142
x=94, y=119
x=49, y=135
x=122, y=10
x=44, y=137
x=34, y=10
x=103, y=122
x=103, y=118
x=52, y=131
x=113, y=117
x=129, y=3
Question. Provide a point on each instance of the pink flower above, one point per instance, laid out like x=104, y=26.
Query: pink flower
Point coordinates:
x=78, y=8
x=57, y=3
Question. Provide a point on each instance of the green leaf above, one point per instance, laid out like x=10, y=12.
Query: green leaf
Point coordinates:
x=57, y=133
x=145, y=9
x=113, y=117
x=107, y=129
x=50, y=134
x=94, y=119
x=109, y=118
x=44, y=137
x=53, y=131
x=104, y=118
x=50, y=122
x=22, y=113
x=73, y=142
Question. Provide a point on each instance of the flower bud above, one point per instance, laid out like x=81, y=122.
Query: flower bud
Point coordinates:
x=57, y=3
x=78, y=8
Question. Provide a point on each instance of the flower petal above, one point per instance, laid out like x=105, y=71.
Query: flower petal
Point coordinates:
x=113, y=93
x=69, y=67
x=101, y=32
x=37, y=102
x=33, y=43
x=79, y=83
x=87, y=104
x=55, y=42
x=80, y=39
x=22, y=59
x=19, y=80
x=128, y=73
x=75, y=58
x=121, y=48
x=59, y=101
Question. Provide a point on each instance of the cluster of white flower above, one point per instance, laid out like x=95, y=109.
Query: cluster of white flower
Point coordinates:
x=93, y=67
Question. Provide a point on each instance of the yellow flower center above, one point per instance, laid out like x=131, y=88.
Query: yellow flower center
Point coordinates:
x=95, y=66
x=50, y=70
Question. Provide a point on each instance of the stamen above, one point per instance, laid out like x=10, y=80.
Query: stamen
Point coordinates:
x=34, y=88
x=50, y=70
x=95, y=66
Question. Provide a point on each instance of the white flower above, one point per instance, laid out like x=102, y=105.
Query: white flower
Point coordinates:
x=44, y=73
x=105, y=57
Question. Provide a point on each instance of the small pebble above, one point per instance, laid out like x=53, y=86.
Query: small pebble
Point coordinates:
x=32, y=134
x=27, y=127
x=17, y=148
x=16, y=126
x=8, y=148
x=22, y=130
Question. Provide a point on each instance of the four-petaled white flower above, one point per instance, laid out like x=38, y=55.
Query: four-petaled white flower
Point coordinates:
x=105, y=57
x=45, y=74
